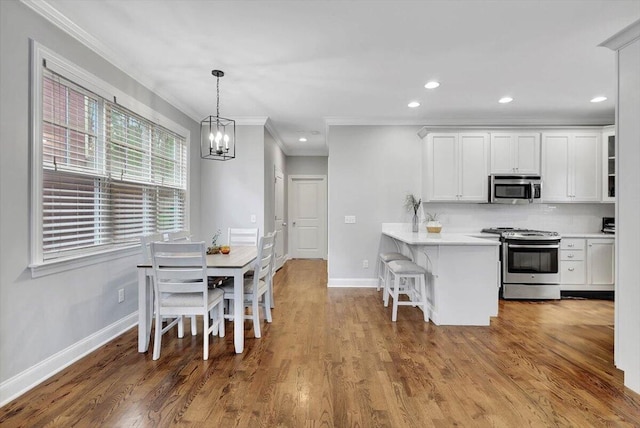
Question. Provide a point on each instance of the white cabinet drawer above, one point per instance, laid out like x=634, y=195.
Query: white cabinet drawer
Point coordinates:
x=572, y=272
x=571, y=255
x=572, y=244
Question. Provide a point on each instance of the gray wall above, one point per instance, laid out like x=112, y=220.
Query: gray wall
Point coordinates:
x=232, y=191
x=371, y=169
x=43, y=316
x=307, y=165
x=273, y=157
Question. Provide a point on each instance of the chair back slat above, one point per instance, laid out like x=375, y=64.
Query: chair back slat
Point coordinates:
x=238, y=237
x=264, y=260
x=179, y=267
x=145, y=244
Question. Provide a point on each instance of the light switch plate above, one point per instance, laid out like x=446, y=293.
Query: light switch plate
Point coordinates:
x=253, y=218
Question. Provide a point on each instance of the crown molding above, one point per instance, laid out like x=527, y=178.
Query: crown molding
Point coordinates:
x=51, y=14
x=276, y=136
x=422, y=132
x=251, y=120
x=624, y=37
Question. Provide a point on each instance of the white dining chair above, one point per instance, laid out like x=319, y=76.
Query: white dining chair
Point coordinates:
x=181, y=236
x=239, y=237
x=180, y=289
x=256, y=288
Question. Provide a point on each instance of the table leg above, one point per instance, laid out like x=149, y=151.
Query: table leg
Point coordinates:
x=145, y=310
x=238, y=310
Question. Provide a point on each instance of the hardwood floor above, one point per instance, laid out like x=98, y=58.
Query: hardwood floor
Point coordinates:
x=332, y=357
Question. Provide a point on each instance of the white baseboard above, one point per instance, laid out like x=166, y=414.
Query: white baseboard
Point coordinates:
x=353, y=282
x=24, y=381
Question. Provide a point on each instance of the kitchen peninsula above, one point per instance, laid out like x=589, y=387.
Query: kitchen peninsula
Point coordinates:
x=463, y=272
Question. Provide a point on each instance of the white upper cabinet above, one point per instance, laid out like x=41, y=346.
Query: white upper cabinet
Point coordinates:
x=515, y=153
x=455, y=167
x=571, y=166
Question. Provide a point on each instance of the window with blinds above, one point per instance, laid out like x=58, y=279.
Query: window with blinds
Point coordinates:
x=108, y=174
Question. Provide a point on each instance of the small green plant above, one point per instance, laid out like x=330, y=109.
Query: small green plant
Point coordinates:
x=411, y=203
x=214, y=240
x=432, y=217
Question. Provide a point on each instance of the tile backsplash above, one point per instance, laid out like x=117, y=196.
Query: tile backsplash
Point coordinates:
x=563, y=218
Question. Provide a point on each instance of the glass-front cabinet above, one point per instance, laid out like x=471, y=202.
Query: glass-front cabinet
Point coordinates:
x=609, y=164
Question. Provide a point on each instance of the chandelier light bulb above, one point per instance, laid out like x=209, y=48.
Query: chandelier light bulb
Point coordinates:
x=218, y=137
x=226, y=141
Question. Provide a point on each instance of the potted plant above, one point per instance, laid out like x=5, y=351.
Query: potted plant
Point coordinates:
x=411, y=203
x=214, y=248
x=433, y=224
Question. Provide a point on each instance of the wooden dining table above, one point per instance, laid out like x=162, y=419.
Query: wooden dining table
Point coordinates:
x=235, y=264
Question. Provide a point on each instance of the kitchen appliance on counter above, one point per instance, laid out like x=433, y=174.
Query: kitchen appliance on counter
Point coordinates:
x=530, y=263
x=608, y=225
x=515, y=189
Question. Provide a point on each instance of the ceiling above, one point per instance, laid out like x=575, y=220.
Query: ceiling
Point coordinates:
x=306, y=64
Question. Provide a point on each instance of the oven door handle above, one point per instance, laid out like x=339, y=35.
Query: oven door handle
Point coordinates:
x=534, y=246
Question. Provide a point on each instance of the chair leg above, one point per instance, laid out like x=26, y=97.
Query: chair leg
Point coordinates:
x=425, y=307
x=267, y=306
x=205, y=339
x=380, y=273
x=180, y=328
x=255, y=309
x=158, y=337
x=221, y=319
x=194, y=327
x=396, y=287
x=386, y=291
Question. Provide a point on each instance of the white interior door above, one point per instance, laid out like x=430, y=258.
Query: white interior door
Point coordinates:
x=279, y=216
x=308, y=216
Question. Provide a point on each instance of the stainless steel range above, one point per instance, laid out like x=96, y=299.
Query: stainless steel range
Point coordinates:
x=530, y=263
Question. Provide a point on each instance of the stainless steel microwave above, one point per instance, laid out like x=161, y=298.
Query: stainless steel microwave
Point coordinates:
x=515, y=189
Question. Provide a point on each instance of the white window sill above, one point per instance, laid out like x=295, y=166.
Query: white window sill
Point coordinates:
x=75, y=262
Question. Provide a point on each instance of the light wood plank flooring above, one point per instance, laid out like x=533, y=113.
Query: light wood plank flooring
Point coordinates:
x=333, y=358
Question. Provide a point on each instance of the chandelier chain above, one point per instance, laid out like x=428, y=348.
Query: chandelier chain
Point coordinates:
x=218, y=96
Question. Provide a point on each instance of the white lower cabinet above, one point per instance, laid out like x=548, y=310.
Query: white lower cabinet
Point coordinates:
x=587, y=264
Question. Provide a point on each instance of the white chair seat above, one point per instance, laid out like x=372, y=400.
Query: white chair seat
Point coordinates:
x=388, y=257
x=227, y=287
x=405, y=267
x=190, y=299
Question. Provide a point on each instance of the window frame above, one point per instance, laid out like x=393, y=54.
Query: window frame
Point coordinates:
x=39, y=54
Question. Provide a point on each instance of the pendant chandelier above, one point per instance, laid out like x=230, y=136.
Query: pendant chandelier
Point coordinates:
x=217, y=134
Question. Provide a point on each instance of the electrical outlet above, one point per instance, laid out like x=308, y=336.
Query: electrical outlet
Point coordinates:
x=121, y=295
x=365, y=264
x=253, y=218
x=349, y=219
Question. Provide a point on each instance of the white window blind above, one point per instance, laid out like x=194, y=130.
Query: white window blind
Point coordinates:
x=109, y=175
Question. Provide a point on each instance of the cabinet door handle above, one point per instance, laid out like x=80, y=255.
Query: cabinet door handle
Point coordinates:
x=570, y=256
x=571, y=269
x=571, y=245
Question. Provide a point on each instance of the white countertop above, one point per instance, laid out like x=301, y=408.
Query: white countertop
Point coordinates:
x=402, y=232
x=588, y=235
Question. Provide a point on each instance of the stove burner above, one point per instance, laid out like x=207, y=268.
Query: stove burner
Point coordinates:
x=515, y=233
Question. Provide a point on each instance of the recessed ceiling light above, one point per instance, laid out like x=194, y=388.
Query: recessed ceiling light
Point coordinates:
x=413, y=104
x=432, y=85
x=302, y=140
x=598, y=99
x=505, y=100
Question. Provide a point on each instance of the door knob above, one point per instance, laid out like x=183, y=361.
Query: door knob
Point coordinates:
x=284, y=223
x=294, y=223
